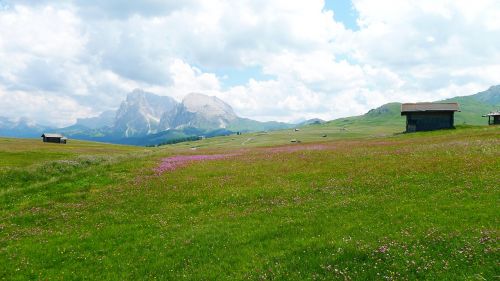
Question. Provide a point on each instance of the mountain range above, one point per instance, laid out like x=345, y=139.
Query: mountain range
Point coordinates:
x=22, y=127
x=144, y=118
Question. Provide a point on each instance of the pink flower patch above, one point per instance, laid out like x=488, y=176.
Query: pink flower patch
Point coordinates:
x=172, y=163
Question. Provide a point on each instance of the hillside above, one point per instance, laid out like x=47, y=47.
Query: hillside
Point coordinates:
x=411, y=206
x=490, y=96
x=472, y=108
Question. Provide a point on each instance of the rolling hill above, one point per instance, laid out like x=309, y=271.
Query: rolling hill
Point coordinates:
x=472, y=108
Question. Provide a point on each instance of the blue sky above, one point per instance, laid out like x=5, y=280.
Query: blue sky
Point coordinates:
x=344, y=12
x=231, y=77
x=279, y=60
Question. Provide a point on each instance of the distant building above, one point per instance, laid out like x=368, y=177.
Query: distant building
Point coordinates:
x=55, y=138
x=428, y=116
x=493, y=118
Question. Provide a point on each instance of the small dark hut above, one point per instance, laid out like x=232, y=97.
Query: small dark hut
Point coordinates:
x=55, y=138
x=428, y=116
x=493, y=118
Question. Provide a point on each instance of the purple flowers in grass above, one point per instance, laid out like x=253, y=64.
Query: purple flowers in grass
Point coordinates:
x=172, y=163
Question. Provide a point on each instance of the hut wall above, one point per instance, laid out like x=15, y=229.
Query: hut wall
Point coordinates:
x=54, y=140
x=428, y=121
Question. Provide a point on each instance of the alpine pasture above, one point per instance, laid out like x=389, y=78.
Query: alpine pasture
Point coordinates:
x=346, y=206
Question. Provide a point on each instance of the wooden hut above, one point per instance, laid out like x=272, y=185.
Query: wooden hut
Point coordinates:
x=493, y=118
x=55, y=138
x=428, y=116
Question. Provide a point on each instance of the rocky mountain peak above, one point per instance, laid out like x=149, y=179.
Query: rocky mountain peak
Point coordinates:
x=141, y=112
x=199, y=111
x=208, y=106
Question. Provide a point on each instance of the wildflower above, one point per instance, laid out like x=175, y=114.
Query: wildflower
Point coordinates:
x=383, y=249
x=172, y=163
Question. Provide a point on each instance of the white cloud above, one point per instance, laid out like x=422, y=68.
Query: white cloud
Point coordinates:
x=188, y=79
x=86, y=55
x=399, y=36
x=37, y=37
x=41, y=106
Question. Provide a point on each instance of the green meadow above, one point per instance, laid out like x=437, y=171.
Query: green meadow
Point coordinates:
x=25, y=152
x=363, y=202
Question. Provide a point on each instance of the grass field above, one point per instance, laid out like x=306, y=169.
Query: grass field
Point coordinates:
x=25, y=152
x=340, y=129
x=346, y=207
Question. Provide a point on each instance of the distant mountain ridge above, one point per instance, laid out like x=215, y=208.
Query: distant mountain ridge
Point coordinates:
x=490, y=96
x=314, y=121
x=105, y=119
x=144, y=118
x=147, y=118
x=23, y=127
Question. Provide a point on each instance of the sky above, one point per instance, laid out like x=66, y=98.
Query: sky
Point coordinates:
x=284, y=60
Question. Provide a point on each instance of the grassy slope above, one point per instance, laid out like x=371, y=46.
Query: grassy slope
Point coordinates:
x=383, y=122
x=24, y=152
x=471, y=111
x=475, y=106
x=423, y=205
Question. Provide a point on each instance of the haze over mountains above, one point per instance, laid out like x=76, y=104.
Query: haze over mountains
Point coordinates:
x=144, y=118
x=23, y=127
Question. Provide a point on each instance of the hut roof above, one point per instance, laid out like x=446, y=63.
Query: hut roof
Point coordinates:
x=492, y=114
x=48, y=135
x=429, y=106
